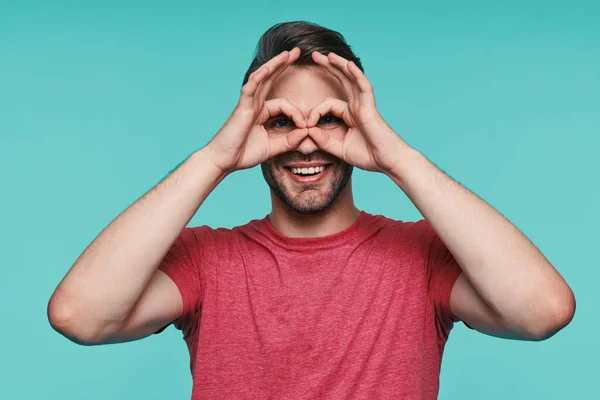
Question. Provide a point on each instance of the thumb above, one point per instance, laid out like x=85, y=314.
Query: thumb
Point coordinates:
x=326, y=142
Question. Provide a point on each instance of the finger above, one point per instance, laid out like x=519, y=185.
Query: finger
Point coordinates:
x=290, y=141
x=337, y=107
x=366, y=89
x=254, y=81
x=326, y=142
x=324, y=62
x=263, y=90
x=255, y=78
x=342, y=64
x=279, y=106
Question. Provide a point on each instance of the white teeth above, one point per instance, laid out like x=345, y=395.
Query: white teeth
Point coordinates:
x=310, y=170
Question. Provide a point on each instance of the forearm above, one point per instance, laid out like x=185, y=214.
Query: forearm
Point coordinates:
x=510, y=274
x=108, y=278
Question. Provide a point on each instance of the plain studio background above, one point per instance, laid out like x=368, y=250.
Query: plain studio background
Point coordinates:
x=98, y=103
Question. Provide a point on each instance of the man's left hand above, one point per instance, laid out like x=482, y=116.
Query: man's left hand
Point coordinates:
x=370, y=143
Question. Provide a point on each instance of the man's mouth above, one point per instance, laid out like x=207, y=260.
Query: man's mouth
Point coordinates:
x=307, y=173
x=307, y=170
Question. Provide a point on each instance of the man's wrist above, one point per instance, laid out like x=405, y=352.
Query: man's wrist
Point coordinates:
x=409, y=167
x=203, y=159
x=404, y=159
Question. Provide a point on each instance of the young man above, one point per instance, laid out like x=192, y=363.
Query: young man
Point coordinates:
x=317, y=299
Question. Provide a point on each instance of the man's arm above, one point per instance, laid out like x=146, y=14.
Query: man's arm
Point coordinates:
x=114, y=291
x=507, y=288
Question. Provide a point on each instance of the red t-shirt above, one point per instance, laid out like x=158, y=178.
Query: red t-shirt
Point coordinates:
x=361, y=314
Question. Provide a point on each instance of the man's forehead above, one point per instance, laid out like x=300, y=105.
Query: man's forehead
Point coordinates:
x=306, y=86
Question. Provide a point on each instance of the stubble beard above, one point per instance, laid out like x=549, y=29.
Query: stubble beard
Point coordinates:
x=313, y=198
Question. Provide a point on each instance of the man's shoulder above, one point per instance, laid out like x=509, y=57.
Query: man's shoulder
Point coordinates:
x=417, y=230
x=397, y=223
x=223, y=232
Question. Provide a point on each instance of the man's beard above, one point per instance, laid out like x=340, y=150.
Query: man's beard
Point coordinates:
x=319, y=197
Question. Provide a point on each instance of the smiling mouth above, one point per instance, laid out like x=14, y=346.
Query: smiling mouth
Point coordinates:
x=308, y=171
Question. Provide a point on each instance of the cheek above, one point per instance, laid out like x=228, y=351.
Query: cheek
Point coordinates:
x=269, y=167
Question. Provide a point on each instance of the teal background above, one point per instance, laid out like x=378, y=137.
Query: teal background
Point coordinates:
x=99, y=102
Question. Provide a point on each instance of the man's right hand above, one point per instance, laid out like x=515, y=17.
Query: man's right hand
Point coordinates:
x=115, y=291
x=243, y=142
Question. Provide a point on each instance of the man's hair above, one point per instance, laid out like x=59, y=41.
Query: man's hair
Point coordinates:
x=307, y=36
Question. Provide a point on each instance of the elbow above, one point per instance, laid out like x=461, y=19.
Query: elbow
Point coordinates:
x=63, y=319
x=560, y=312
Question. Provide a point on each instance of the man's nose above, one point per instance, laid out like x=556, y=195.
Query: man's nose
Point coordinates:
x=307, y=146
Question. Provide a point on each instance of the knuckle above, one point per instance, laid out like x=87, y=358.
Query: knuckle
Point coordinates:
x=249, y=87
x=274, y=102
x=255, y=74
x=244, y=113
x=253, y=79
x=245, y=89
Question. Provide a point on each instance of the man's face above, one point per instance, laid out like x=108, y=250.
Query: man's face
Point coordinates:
x=286, y=174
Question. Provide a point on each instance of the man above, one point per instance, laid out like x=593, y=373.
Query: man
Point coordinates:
x=318, y=299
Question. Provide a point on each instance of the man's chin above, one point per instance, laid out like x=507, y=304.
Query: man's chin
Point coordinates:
x=308, y=209
x=306, y=198
x=306, y=203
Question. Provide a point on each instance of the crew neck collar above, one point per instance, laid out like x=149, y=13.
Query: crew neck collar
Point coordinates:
x=332, y=240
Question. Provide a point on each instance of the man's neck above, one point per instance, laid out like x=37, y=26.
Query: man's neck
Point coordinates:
x=338, y=216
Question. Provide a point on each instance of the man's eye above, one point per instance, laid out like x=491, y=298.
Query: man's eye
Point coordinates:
x=329, y=119
x=281, y=123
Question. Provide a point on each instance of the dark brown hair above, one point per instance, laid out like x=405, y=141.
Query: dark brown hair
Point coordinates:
x=307, y=36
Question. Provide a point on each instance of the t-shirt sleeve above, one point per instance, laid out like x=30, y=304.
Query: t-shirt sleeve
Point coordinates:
x=442, y=273
x=184, y=264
